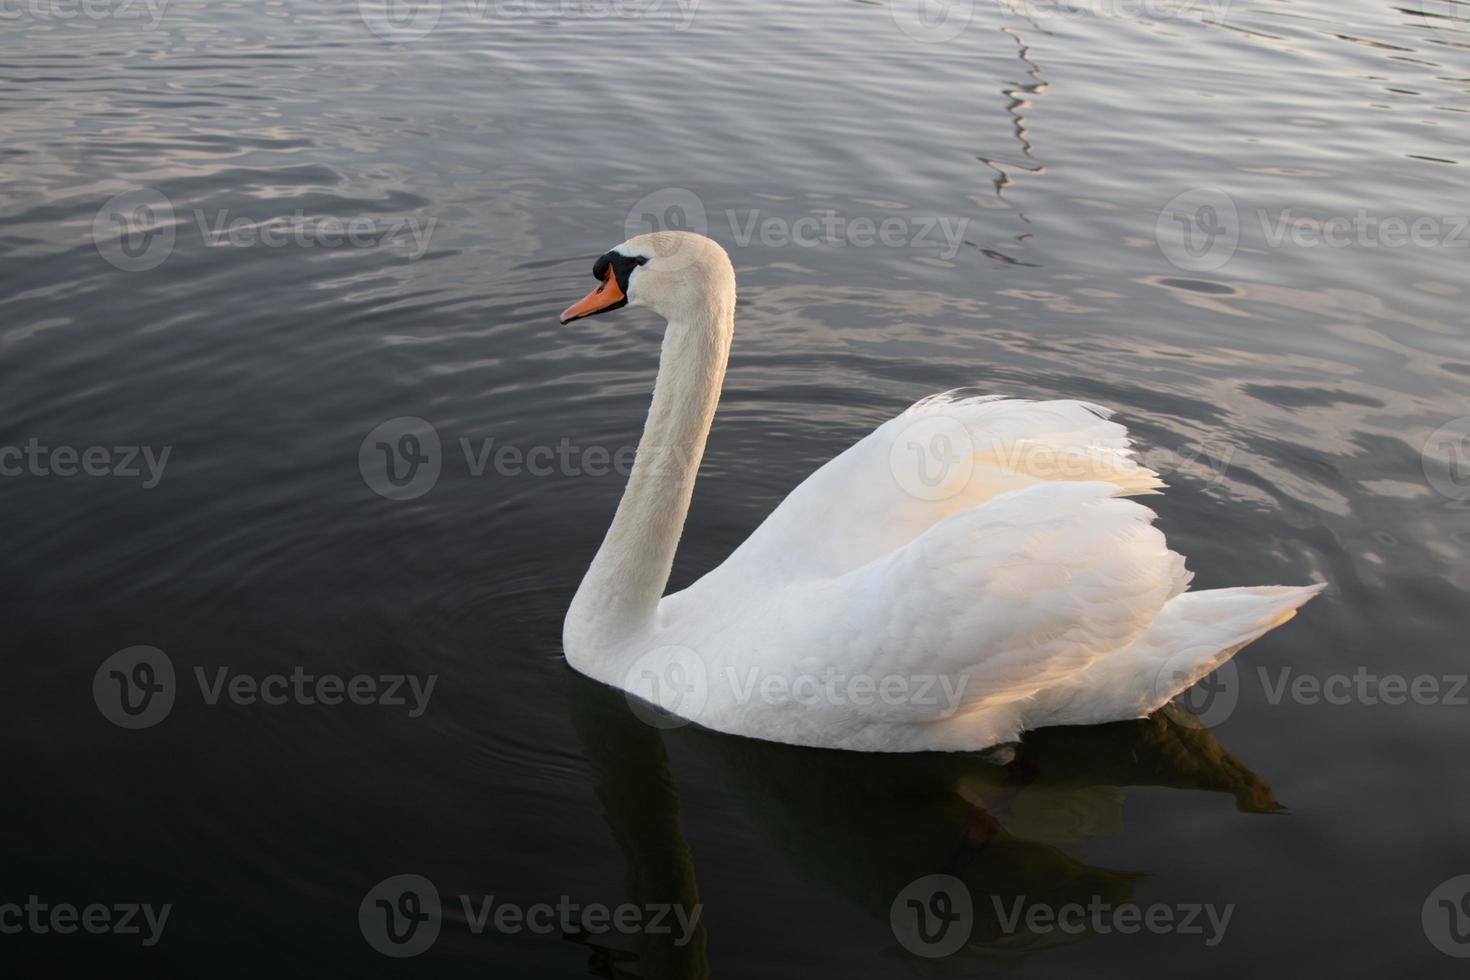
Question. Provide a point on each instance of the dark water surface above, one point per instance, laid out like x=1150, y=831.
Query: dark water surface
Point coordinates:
x=1286, y=386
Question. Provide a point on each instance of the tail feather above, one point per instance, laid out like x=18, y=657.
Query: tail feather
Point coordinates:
x=1193, y=635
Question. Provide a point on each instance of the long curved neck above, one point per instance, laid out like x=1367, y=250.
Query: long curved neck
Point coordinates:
x=618, y=598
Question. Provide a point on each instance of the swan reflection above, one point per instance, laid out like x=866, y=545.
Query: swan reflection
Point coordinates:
x=866, y=827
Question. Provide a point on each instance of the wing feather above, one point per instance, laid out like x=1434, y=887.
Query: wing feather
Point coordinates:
x=1012, y=596
x=943, y=456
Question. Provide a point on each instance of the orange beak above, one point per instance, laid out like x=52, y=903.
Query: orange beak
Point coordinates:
x=607, y=295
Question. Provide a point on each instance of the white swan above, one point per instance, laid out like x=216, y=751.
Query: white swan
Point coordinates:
x=965, y=572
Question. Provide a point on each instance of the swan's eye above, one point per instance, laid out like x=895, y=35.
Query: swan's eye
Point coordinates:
x=621, y=265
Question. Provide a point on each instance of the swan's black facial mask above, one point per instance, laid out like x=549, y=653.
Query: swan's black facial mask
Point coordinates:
x=613, y=271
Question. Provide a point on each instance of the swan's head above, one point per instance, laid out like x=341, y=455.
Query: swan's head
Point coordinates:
x=680, y=275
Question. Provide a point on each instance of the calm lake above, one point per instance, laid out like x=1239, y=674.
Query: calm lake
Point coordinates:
x=243, y=243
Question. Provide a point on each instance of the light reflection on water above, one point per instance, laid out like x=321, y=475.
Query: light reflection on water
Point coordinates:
x=1286, y=388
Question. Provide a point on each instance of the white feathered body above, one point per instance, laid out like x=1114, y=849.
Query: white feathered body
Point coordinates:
x=969, y=570
x=1017, y=600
